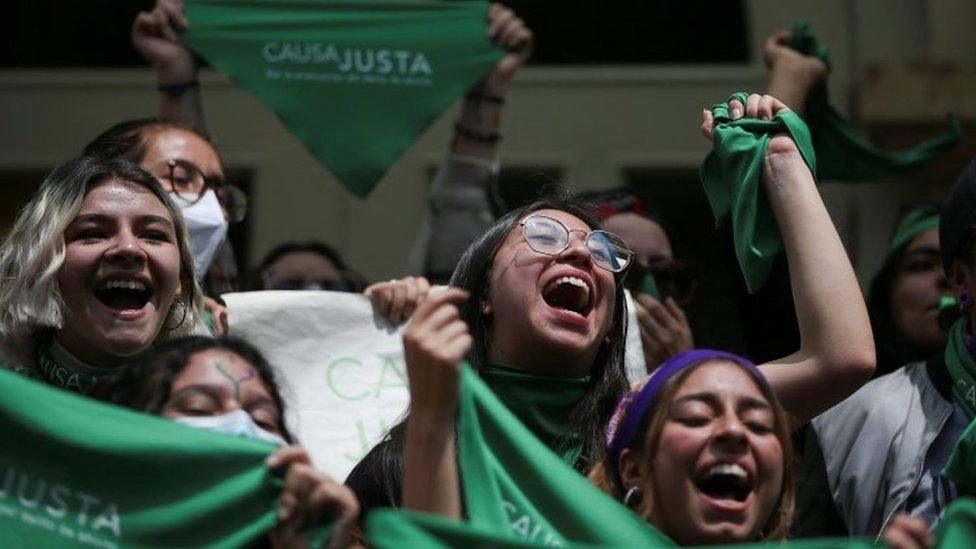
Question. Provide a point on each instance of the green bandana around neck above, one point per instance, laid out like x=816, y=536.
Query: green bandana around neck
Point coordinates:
x=842, y=153
x=732, y=178
x=78, y=472
x=516, y=492
x=543, y=403
x=914, y=223
x=962, y=369
x=356, y=81
x=56, y=366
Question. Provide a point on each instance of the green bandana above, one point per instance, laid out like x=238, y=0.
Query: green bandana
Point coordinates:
x=516, y=491
x=57, y=367
x=356, y=81
x=543, y=403
x=732, y=177
x=77, y=472
x=914, y=223
x=843, y=155
x=962, y=369
x=957, y=528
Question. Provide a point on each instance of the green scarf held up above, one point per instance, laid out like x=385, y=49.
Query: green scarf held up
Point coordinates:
x=543, y=403
x=732, y=178
x=957, y=528
x=357, y=81
x=516, y=492
x=842, y=153
x=77, y=472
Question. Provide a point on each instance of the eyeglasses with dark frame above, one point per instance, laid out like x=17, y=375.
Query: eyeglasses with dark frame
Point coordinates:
x=189, y=183
x=549, y=236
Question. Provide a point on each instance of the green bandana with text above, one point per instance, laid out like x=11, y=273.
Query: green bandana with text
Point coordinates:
x=78, y=472
x=357, y=81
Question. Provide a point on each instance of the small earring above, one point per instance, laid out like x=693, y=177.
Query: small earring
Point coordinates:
x=633, y=496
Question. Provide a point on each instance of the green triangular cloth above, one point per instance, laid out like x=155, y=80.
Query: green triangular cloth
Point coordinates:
x=732, y=178
x=78, y=472
x=357, y=81
x=517, y=492
x=842, y=153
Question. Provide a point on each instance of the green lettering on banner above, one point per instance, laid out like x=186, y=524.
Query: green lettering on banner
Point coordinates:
x=330, y=371
x=365, y=442
x=393, y=364
x=373, y=68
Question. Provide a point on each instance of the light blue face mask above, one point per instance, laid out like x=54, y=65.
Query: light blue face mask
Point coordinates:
x=237, y=423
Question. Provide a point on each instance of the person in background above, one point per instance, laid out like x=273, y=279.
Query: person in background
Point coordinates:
x=226, y=385
x=906, y=296
x=882, y=451
x=95, y=271
x=306, y=266
x=664, y=328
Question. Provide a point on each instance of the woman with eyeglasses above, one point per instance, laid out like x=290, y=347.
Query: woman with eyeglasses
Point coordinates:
x=95, y=270
x=536, y=308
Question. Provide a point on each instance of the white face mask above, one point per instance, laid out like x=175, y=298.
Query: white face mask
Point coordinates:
x=237, y=423
x=207, y=226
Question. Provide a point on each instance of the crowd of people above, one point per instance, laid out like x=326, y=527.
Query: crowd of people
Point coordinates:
x=112, y=276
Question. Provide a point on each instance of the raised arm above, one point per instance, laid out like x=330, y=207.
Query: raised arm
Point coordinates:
x=434, y=344
x=836, y=354
x=791, y=74
x=459, y=208
x=154, y=35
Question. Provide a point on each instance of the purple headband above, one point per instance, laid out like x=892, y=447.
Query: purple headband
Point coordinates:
x=621, y=431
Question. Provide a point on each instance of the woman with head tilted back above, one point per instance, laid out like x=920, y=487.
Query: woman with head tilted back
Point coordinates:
x=541, y=312
x=96, y=269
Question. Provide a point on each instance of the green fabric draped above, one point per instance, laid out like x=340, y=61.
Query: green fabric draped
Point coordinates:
x=843, y=154
x=77, y=472
x=961, y=467
x=914, y=223
x=962, y=368
x=543, y=403
x=957, y=528
x=357, y=81
x=732, y=178
x=516, y=491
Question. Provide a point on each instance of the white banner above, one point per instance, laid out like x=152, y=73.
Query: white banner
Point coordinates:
x=341, y=366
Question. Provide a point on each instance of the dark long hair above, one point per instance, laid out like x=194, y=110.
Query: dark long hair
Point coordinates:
x=608, y=380
x=147, y=384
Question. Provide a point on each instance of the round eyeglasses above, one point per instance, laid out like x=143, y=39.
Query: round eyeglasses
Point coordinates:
x=549, y=236
x=189, y=183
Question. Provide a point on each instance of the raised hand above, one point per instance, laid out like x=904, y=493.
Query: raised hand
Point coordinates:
x=154, y=35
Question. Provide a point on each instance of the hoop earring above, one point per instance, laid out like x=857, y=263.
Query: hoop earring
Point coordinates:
x=178, y=302
x=633, y=496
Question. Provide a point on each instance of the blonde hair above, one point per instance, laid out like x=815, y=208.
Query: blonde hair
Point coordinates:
x=33, y=252
x=649, y=435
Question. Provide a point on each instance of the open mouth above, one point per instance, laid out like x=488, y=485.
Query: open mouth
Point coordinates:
x=569, y=293
x=123, y=295
x=727, y=481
